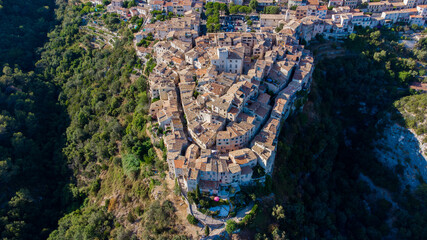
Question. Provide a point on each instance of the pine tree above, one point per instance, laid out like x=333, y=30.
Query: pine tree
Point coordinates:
x=197, y=192
x=207, y=231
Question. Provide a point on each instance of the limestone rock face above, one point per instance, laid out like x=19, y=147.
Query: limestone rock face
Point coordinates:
x=402, y=150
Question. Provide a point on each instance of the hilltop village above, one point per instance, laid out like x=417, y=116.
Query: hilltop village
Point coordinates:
x=219, y=98
x=234, y=91
x=213, y=119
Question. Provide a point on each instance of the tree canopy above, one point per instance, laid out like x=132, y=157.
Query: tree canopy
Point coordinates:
x=23, y=29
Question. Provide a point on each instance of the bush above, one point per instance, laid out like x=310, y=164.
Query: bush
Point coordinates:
x=250, y=216
x=139, y=211
x=159, y=218
x=131, y=165
x=131, y=217
x=272, y=10
x=258, y=172
x=204, y=204
x=191, y=219
x=96, y=185
x=231, y=226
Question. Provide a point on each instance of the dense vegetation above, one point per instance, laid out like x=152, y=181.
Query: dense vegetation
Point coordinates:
x=83, y=108
x=234, y=9
x=212, y=13
x=106, y=99
x=33, y=173
x=23, y=28
x=414, y=111
x=421, y=50
x=325, y=149
x=272, y=10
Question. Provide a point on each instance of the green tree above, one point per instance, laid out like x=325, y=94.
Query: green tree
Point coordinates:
x=131, y=165
x=253, y=4
x=278, y=212
x=224, y=8
x=405, y=76
x=158, y=218
x=380, y=56
x=234, y=9
x=89, y=223
x=272, y=10
x=177, y=189
x=231, y=226
x=217, y=27
x=192, y=220
x=210, y=27
x=197, y=192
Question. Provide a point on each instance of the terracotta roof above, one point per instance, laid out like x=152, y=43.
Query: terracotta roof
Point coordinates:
x=201, y=72
x=179, y=163
x=313, y=2
x=204, y=184
x=234, y=168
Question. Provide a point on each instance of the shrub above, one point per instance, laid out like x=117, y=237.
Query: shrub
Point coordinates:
x=250, y=216
x=139, y=211
x=204, y=204
x=131, y=217
x=231, y=226
x=177, y=189
x=131, y=165
x=191, y=219
x=96, y=185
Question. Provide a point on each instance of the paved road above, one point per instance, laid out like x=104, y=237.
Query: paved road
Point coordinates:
x=207, y=220
x=218, y=225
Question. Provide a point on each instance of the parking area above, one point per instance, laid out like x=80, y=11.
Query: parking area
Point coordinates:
x=239, y=23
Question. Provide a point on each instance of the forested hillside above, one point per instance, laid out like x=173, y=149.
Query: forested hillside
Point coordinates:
x=24, y=26
x=107, y=145
x=72, y=136
x=414, y=110
x=33, y=171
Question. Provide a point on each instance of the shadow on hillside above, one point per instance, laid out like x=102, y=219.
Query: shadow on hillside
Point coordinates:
x=400, y=149
x=323, y=149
